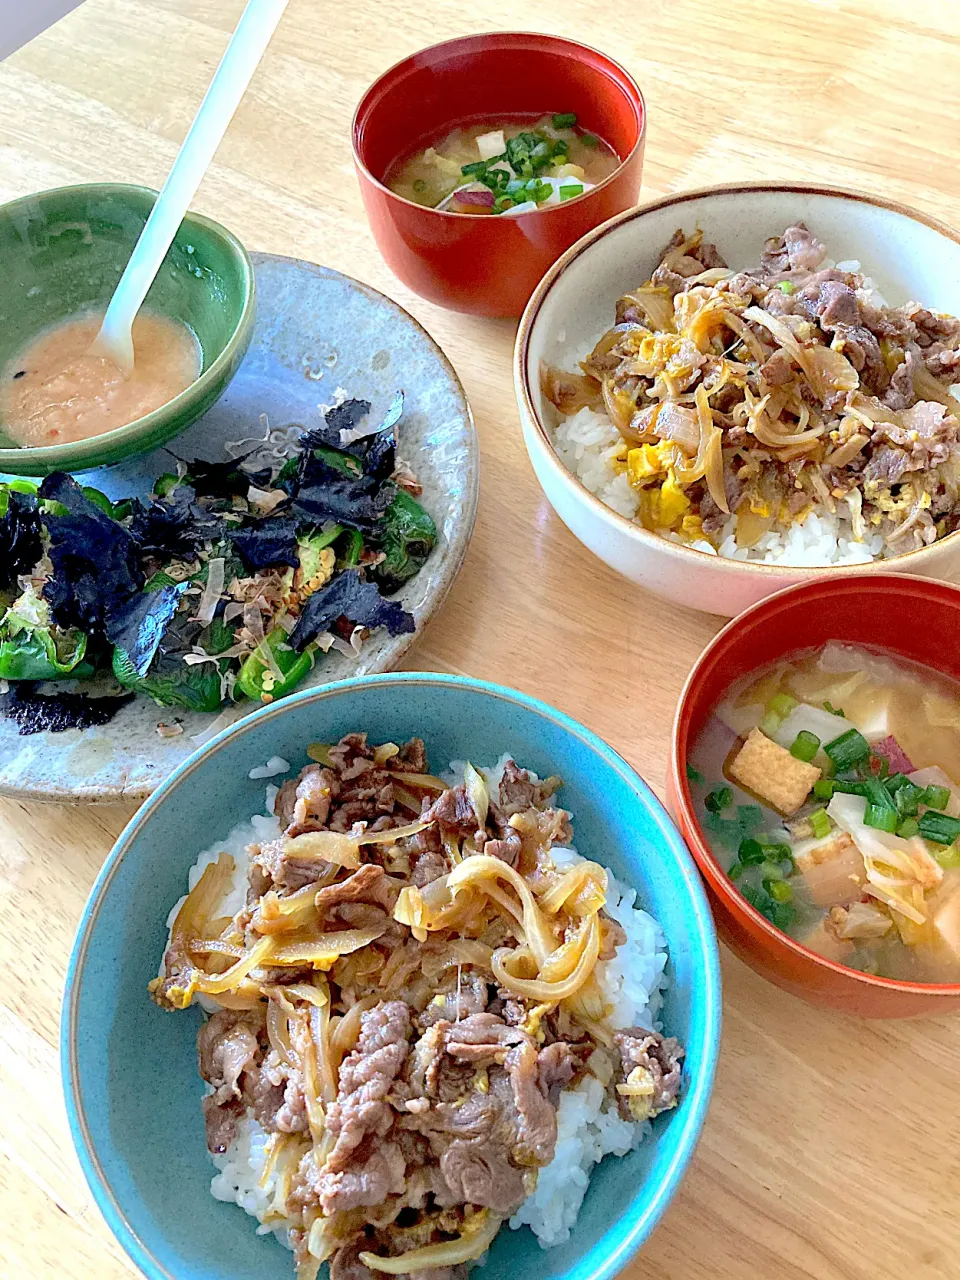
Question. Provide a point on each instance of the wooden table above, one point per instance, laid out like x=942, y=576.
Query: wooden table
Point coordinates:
x=831, y=1150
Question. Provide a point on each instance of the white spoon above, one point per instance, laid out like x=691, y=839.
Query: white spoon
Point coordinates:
x=240, y=60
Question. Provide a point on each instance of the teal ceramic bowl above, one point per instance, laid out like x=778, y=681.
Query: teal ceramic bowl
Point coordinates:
x=130, y=1070
x=63, y=251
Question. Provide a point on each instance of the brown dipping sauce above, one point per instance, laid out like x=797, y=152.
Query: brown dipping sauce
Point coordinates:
x=55, y=391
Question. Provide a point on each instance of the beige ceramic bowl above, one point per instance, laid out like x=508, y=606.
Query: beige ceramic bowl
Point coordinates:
x=909, y=255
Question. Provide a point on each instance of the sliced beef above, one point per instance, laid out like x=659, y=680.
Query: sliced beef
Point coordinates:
x=346, y=1265
x=507, y=846
x=369, y=884
x=536, y=1120
x=480, y=1173
x=316, y=789
x=454, y=811
x=279, y=1108
x=469, y=997
x=836, y=304
x=227, y=1045
x=652, y=1061
x=285, y=870
x=557, y=1064
x=520, y=790
x=228, y=1052
x=481, y=1039
x=778, y=370
x=412, y=757
x=900, y=394
x=887, y=466
x=796, y=250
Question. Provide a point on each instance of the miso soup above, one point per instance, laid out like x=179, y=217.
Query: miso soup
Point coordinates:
x=827, y=787
x=505, y=166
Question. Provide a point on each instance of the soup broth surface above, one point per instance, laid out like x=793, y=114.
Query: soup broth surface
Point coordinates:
x=55, y=391
x=562, y=158
x=833, y=871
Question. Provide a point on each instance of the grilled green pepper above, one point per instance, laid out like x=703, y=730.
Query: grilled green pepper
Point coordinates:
x=259, y=682
x=408, y=537
x=36, y=655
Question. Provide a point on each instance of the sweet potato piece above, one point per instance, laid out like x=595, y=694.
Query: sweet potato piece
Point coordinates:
x=772, y=773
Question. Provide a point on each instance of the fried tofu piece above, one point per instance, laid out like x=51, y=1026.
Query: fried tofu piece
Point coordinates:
x=772, y=773
x=832, y=870
x=824, y=941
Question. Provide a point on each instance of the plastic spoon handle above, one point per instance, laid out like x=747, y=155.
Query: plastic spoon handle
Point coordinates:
x=257, y=24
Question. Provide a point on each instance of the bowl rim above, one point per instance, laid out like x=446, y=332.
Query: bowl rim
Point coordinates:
x=689, y=823
x=702, y=935
x=544, y=41
x=53, y=453
x=684, y=555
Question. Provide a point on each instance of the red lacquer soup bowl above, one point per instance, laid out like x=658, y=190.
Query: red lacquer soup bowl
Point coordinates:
x=916, y=618
x=490, y=265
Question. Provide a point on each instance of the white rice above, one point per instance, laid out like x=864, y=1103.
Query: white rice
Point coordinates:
x=588, y=1126
x=588, y=442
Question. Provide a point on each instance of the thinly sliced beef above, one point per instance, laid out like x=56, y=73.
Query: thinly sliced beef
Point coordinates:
x=480, y=1173
x=227, y=1045
x=454, y=811
x=369, y=884
x=468, y=997
x=520, y=790
x=652, y=1061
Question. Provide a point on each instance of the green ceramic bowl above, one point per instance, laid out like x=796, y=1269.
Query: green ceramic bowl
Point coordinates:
x=64, y=251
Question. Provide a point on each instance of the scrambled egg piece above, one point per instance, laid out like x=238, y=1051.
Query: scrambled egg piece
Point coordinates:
x=665, y=505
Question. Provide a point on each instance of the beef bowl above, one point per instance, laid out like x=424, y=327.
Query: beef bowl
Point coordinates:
x=769, y=391
x=427, y=998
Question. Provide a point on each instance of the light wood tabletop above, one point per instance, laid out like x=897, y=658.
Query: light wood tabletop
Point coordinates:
x=831, y=1150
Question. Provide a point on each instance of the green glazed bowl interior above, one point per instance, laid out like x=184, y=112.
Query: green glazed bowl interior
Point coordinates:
x=63, y=251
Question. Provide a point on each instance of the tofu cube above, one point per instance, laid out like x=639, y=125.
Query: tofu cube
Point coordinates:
x=832, y=870
x=947, y=923
x=825, y=943
x=772, y=773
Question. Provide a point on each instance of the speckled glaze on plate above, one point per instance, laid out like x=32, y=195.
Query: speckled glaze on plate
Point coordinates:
x=316, y=330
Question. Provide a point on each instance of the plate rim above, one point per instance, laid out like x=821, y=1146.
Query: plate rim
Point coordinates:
x=396, y=646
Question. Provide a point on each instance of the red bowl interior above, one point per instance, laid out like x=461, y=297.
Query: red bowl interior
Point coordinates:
x=916, y=618
x=490, y=265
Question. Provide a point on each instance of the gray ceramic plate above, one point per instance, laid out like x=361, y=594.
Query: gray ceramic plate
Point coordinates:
x=316, y=331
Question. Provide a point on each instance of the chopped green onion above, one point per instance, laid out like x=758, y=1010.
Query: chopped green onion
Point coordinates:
x=908, y=828
x=751, y=852
x=895, y=781
x=571, y=190
x=782, y=914
x=907, y=800
x=805, y=746
x=782, y=704
x=950, y=857
x=770, y=723
x=419, y=186
x=770, y=871
x=779, y=890
x=736, y=871
x=750, y=817
x=475, y=167
x=849, y=788
x=939, y=827
x=694, y=775
x=824, y=788
x=935, y=797
x=820, y=823
x=786, y=287
x=834, y=711
x=588, y=140
x=722, y=798
x=564, y=120
x=880, y=812
x=849, y=749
